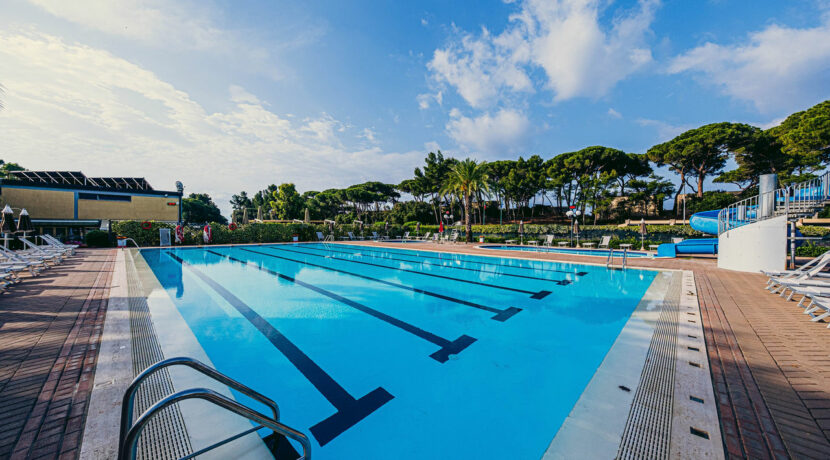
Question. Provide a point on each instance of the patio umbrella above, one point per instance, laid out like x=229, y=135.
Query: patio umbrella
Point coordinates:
x=576, y=231
x=643, y=232
x=331, y=227
x=244, y=216
x=7, y=226
x=441, y=227
x=418, y=228
x=386, y=228
x=259, y=213
x=207, y=233
x=307, y=217
x=24, y=222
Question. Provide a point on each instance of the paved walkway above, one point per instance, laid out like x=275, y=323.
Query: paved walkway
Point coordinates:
x=49, y=331
x=770, y=364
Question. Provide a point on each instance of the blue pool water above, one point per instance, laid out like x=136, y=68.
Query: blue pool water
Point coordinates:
x=579, y=252
x=382, y=353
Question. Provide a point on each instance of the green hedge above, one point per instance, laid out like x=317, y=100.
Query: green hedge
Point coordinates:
x=250, y=233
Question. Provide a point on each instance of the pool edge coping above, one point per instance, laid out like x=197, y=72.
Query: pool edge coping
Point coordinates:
x=102, y=428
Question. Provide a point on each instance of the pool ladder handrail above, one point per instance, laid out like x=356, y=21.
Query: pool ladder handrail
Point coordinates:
x=129, y=431
x=610, y=260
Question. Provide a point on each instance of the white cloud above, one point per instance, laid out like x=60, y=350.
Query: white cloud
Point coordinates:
x=479, y=68
x=183, y=25
x=778, y=69
x=72, y=107
x=493, y=135
x=579, y=57
x=613, y=113
x=150, y=21
x=665, y=131
x=425, y=100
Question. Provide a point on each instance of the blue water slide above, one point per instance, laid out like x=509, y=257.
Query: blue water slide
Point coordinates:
x=705, y=222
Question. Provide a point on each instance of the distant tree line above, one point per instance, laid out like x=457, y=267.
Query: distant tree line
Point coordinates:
x=589, y=179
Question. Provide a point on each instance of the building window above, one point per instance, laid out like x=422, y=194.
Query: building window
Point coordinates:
x=104, y=197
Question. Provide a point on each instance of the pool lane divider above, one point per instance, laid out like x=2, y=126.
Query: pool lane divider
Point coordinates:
x=422, y=255
x=533, y=294
x=500, y=314
x=514, y=275
x=350, y=411
x=442, y=355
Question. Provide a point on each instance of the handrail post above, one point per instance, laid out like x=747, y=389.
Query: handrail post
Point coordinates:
x=129, y=395
x=127, y=449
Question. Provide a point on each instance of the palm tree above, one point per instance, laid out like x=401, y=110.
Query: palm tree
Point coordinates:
x=467, y=178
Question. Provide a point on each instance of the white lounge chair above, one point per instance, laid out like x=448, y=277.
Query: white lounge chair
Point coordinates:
x=605, y=242
x=320, y=236
x=29, y=256
x=548, y=240
x=52, y=241
x=45, y=249
x=354, y=238
x=820, y=305
x=427, y=236
x=812, y=275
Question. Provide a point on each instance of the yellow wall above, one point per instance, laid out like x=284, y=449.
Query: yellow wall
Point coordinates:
x=140, y=208
x=58, y=204
x=41, y=204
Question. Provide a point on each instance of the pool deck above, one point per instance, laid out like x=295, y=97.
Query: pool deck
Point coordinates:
x=770, y=365
x=50, y=326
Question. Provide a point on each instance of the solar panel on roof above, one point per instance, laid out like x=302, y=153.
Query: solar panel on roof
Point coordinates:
x=78, y=178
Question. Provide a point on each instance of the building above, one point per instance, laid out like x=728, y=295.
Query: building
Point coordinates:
x=68, y=204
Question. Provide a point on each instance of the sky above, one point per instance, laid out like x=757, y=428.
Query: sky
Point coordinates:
x=234, y=95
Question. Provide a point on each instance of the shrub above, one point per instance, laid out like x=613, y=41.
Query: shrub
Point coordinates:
x=97, y=239
x=810, y=250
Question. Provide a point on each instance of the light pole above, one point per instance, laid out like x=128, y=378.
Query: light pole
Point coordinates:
x=448, y=218
x=573, y=213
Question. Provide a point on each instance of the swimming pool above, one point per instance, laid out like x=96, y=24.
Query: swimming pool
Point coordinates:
x=578, y=252
x=396, y=353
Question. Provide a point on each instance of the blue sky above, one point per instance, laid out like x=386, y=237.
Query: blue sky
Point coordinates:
x=232, y=95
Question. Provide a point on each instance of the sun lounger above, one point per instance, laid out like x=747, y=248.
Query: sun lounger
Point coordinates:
x=320, y=236
x=30, y=256
x=548, y=240
x=605, y=242
x=427, y=236
x=45, y=249
x=51, y=240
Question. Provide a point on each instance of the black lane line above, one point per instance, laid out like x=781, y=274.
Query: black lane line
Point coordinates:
x=548, y=280
x=421, y=255
x=533, y=294
x=349, y=410
x=500, y=314
x=442, y=355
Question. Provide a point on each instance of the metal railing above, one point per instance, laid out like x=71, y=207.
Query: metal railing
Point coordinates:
x=130, y=432
x=794, y=200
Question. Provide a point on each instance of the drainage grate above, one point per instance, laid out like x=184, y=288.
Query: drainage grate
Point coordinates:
x=648, y=429
x=164, y=437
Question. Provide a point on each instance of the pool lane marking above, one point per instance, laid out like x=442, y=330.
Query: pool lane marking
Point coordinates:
x=349, y=410
x=406, y=252
x=500, y=314
x=442, y=355
x=533, y=294
x=360, y=254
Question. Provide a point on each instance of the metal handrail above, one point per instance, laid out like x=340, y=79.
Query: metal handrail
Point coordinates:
x=610, y=259
x=127, y=451
x=800, y=198
x=625, y=257
x=129, y=394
